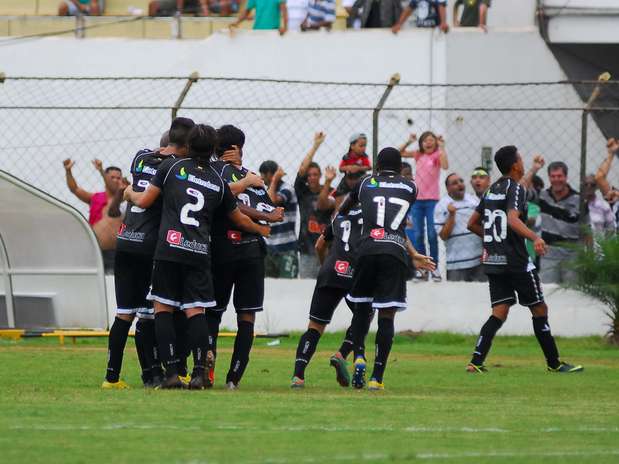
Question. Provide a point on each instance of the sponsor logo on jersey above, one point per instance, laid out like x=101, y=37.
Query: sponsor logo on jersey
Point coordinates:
x=377, y=234
x=256, y=191
x=342, y=268
x=493, y=260
x=495, y=196
x=373, y=183
x=174, y=237
x=235, y=236
x=143, y=183
x=140, y=166
x=182, y=175
x=234, y=178
x=396, y=185
x=203, y=183
x=149, y=170
x=176, y=240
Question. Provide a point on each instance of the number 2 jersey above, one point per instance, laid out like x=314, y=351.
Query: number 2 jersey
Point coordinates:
x=191, y=195
x=343, y=234
x=230, y=243
x=385, y=199
x=138, y=232
x=504, y=250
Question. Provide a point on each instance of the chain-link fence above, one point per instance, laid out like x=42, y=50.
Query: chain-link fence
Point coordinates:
x=45, y=120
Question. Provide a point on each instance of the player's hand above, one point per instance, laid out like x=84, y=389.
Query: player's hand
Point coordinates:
x=98, y=164
x=538, y=162
x=451, y=209
x=265, y=231
x=254, y=180
x=68, y=164
x=319, y=137
x=127, y=193
x=330, y=173
x=232, y=156
x=279, y=173
x=612, y=145
x=124, y=183
x=423, y=262
x=540, y=246
x=277, y=215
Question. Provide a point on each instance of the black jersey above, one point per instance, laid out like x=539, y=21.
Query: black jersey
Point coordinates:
x=229, y=243
x=191, y=194
x=504, y=250
x=140, y=228
x=385, y=199
x=343, y=233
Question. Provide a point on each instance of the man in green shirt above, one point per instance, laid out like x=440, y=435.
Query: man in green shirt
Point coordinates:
x=474, y=13
x=270, y=14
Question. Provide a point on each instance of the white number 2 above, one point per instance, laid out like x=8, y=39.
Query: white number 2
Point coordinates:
x=192, y=208
x=399, y=217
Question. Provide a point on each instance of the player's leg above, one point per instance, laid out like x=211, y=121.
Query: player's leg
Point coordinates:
x=223, y=281
x=348, y=346
x=181, y=329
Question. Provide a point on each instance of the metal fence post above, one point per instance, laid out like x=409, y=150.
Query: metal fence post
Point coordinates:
x=193, y=77
x=395, y=80
x=80, y=22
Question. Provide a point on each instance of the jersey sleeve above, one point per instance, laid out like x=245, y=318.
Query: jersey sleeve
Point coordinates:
x=516, y=198
x=162, y=173
x=228, y=202
x=480, y=206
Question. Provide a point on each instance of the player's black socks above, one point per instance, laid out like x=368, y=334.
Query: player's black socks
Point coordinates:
x=240, y=356
x=213, y=319
x=143, y=352
x=305, y=351
x=166, y=341
x=182, y=344
x=546, y=341
x=115, y=348
x=360, y=326
x=484, y=342
x=197, y=334
x=146, y=345
x=384, y=340
x=347, y=345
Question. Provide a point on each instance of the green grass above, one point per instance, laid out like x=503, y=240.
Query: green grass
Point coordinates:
x=52, y=409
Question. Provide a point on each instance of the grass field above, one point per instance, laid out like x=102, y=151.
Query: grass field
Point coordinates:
x=52, y=410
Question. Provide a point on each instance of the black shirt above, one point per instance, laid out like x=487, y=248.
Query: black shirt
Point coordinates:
x=138, y=232
x=504, y=250
x=343, y=233
x=191, y=194
x=385, y=199
x=229, y=243
x=313, y=221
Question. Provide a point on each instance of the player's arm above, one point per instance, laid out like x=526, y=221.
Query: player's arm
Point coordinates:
x=245, y=223
x=321, y=247
x=450, y=222
x=250, y=180
x=420, y=261
x=275, y=197
x=143, y=199
x=474, y=224
x=325, y=201
x=75, y=189
x=319, y=137
x=515, y=206
x=277, y=215
x=601, y=176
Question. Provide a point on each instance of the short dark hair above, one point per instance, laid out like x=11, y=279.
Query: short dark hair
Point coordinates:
x=555, y=165
x=406, y=165
x=179, y=131
x=314, y=164
x=389, y=159
x=447, y=178
x=201, y=141
x=268, y=167
x=227, y=136
x=112, y=168
x=164, y=141
x=505, y=158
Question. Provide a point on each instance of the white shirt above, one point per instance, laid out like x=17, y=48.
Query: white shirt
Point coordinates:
x=297, y=12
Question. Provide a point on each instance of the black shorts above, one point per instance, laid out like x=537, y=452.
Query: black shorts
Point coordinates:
x=324, y=303
x=132, y=272
x=181, y=285
x=247, y=278
x=380, y=280
x=504, y=287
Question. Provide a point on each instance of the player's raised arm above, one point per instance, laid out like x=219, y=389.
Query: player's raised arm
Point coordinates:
x=250, y=180
x=277, y=215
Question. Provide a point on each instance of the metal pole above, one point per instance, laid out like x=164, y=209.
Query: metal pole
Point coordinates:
x=193, y=77
x=395, y=80
x=583, y=172
x=8, y=285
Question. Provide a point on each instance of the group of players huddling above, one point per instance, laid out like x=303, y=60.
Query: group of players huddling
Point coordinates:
x=193, y=234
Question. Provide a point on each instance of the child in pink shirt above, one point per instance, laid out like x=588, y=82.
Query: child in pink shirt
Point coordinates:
x=429, y=161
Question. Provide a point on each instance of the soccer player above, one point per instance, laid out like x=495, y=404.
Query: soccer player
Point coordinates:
x=333, y=283
x=133, y=265
x=192, y=191
x=379, y=280
x=238, y=257
x=503, y=210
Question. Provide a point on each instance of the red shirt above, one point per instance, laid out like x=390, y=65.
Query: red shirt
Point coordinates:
x=352, y=159
x=97, y=203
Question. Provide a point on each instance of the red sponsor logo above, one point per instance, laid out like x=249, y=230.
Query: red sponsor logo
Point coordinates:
x=341, y=267
x=122, y=228
x=174, y=237
x=234, y=236
x=315, y=227
x=377, y=234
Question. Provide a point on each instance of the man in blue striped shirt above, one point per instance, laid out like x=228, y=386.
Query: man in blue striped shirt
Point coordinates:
x=321, y=13
x=282, y=259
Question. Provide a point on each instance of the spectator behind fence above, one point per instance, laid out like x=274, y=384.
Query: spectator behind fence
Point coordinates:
x=451, y=218
x=282, y=260
x=534, y=220
x=429, y=161
x=353, y=21
x=376, y=13
x=354, y=165
x=297, y=13
x=81, y=7
x=561, y=221
x=172, y=7
x=601, y=216
x=430, y=13
x=313, y=219
x=611, y=194
x=321, y=13
x=480, y=181
x=407, y=171
x=474, y=13
x=270, y=14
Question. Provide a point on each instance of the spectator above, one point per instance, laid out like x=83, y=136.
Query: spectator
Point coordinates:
x=474, y=13
x=601, y=214
x=407, y=171
x=429, y=161
x=282, y=260
x=430, y=13
x=451, y=218
x=80, y=7
x=480, y=181
x=297, y=13
x=376, y=13
x=172, y=7
x=534, y=220
x=601, y=177
x=270, y=14
x=353, y=21
x=354, y=165
x=560, y=214
x=313, y=219
x=321, y=13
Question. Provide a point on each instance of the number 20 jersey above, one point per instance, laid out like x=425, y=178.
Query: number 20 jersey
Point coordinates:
x=191, y=194
x=504, y=250
x=385, y=199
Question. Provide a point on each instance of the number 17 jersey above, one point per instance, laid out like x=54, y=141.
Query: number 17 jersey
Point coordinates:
x=504, y=250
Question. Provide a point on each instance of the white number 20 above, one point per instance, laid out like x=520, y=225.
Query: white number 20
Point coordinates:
x=399, y=217
x=192, y=207
x=495, y=225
